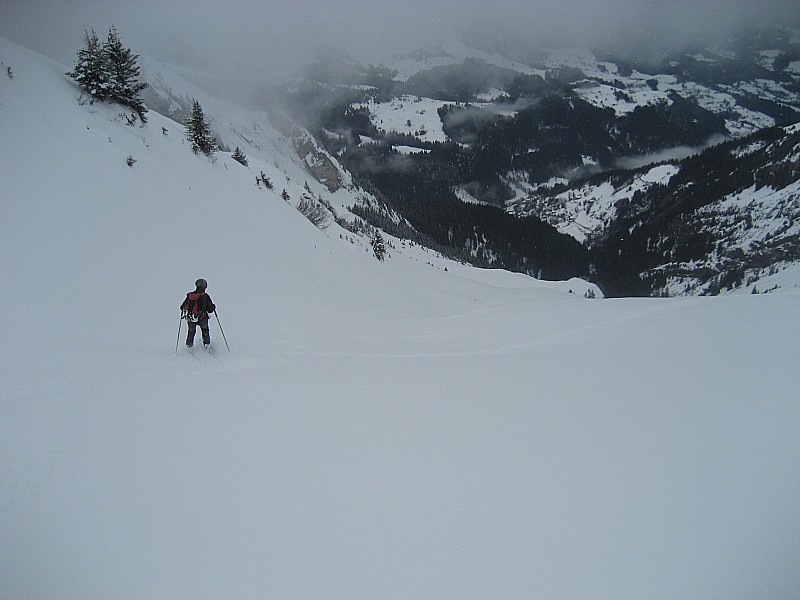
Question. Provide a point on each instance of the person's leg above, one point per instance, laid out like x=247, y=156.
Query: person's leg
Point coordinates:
x=206, y=333
x=192, y=327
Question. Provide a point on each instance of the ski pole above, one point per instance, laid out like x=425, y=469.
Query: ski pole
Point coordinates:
x=180, y=321
x=216, y=314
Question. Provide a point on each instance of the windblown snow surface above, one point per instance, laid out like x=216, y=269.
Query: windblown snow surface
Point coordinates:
x=404, y=429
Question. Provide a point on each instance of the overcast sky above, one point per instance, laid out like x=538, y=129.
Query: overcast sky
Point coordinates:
x=274, y=37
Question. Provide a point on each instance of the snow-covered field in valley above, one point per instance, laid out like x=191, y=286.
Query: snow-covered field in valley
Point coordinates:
x=406, y=429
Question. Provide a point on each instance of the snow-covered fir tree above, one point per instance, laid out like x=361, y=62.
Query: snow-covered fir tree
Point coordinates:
x=199, y=133
x=124, y=72
x=91, y=70
x=109, y=71
x=378, y=246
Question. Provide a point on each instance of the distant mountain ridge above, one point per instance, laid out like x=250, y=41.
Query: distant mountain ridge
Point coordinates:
x=444, y=129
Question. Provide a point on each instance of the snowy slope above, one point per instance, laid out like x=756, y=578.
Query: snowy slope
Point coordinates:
x=379, y=429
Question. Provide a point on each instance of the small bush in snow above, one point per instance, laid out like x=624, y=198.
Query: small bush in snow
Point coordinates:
x=263, y=179
x=239, y=156
x=313, y=211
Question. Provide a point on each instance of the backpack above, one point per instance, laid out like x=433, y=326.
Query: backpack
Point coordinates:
x=193, y=307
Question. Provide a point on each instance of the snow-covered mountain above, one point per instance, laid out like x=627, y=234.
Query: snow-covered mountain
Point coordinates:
x=406, y=428
x=717, y=221
x=532, y=131
x=750, y=83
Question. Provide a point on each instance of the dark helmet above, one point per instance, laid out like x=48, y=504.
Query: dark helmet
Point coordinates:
x=201, y=284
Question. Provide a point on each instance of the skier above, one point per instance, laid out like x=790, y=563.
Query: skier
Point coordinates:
x=195, y=309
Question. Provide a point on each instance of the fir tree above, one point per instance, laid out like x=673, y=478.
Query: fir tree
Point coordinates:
x=123, y=74
x=109, y=72
x=198, y=131
x=378, y=246
x=91, y=70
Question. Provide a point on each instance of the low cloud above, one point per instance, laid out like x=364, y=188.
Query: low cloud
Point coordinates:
x=257, y=41
x=669, y=154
